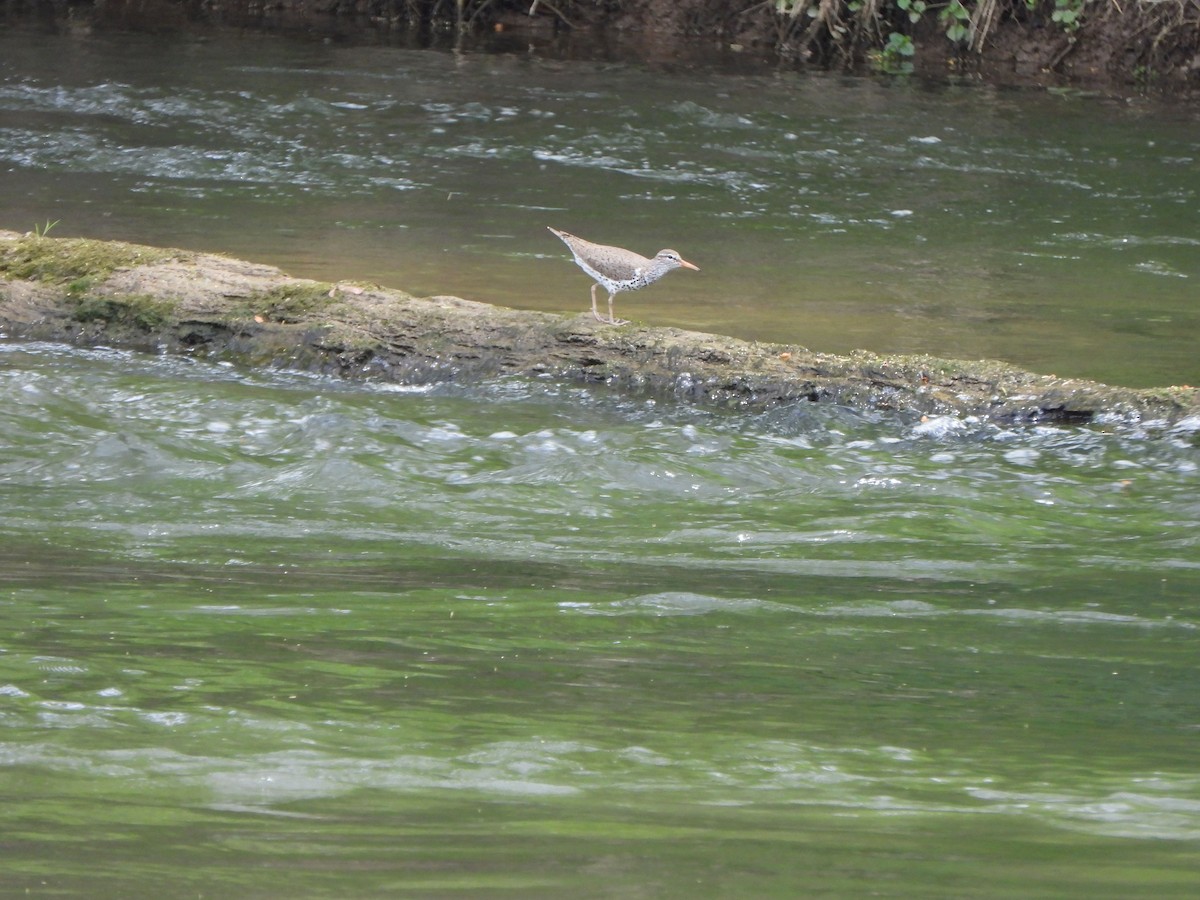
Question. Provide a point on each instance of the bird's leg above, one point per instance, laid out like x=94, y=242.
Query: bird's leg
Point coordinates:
x=612, y=319
x=595, y=311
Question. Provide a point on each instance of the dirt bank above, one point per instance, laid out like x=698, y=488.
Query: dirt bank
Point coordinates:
x=1112, y=46
x=173, y=301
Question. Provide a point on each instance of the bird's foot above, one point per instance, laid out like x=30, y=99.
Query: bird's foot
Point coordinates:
x=611, y=320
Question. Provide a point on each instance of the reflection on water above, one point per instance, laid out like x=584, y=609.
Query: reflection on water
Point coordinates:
x=266, y=632
x=1056, y=232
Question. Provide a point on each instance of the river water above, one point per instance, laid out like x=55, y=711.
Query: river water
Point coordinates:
x=265, y=634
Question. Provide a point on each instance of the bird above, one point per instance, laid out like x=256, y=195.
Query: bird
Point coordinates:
x=616, y=269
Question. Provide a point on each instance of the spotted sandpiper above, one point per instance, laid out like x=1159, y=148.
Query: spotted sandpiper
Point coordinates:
x=618, y=270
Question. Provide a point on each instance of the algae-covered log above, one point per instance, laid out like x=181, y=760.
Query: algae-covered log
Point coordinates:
x=91, y=292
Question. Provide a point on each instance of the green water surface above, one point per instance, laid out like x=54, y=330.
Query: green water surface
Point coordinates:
x=274, y=636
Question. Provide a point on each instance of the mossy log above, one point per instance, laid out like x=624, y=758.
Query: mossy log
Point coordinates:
x=100, y=292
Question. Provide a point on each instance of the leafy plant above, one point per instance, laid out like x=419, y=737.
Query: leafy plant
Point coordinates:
x=1068, y=14
x=896, y=55
x=44, y=229
x=957, y=21
x=914, y=8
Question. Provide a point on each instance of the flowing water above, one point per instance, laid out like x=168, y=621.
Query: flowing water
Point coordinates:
x=270, y=635
x=264, y=635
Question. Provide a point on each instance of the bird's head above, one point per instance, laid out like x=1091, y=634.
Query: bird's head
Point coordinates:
x=671, y=259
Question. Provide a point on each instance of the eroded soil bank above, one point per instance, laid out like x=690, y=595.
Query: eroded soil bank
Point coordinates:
x=1121, y=48
x=173, y=301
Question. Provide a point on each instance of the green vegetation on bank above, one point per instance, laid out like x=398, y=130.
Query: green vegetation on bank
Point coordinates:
x=1150, y=35
x=1136, y=42
x=1135, y=39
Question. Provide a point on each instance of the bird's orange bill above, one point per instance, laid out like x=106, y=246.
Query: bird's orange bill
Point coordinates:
x=688, y=265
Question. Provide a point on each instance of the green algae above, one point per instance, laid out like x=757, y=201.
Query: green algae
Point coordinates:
x=35, y=257
x=141, y=311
